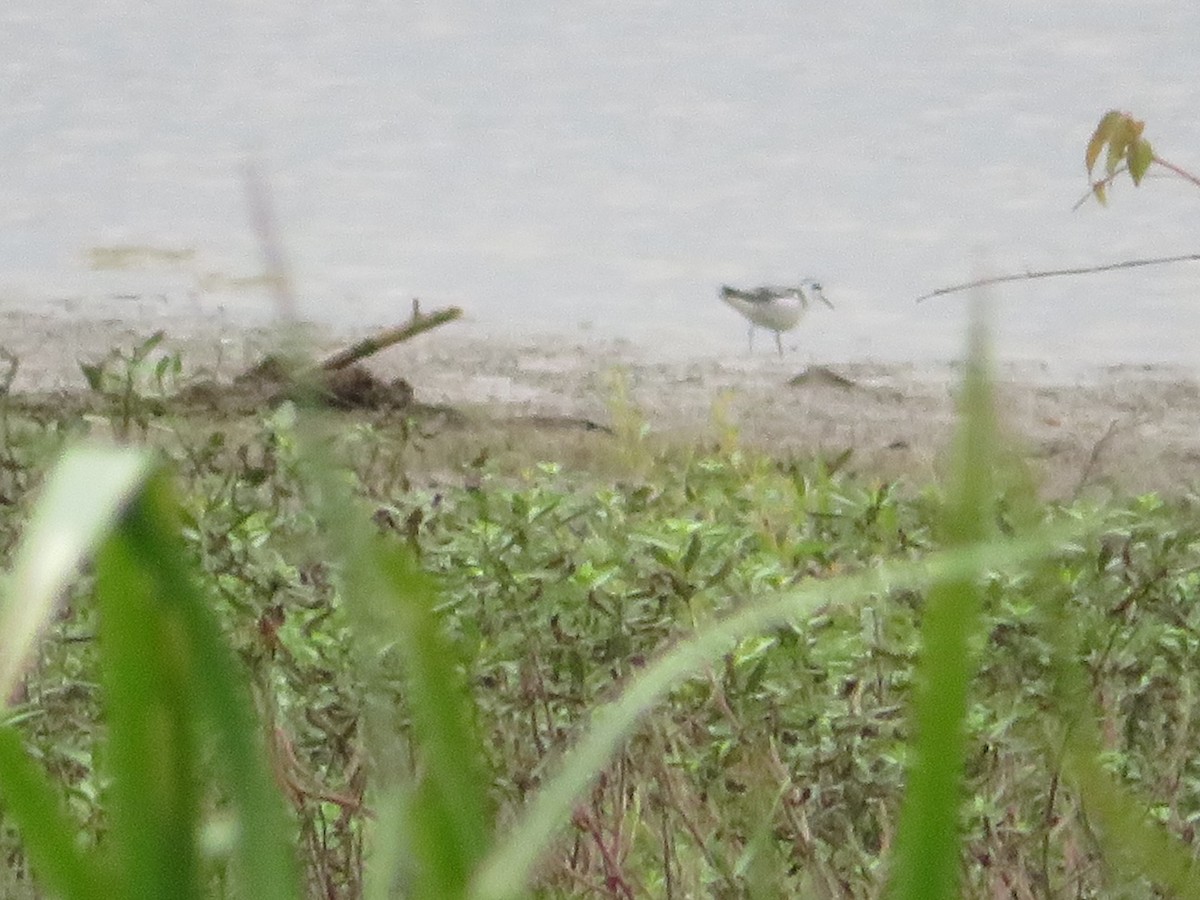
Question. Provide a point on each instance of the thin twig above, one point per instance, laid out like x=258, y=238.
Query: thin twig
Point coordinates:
x=1171, y=167
x=1094, y=458
x=1105, y=182
x=1110, y=179
x=1054, y=273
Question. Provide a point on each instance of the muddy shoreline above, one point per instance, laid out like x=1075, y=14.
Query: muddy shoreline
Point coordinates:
x=1127, y=429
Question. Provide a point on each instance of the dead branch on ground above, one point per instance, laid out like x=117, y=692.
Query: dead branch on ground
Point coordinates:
x=418, y=324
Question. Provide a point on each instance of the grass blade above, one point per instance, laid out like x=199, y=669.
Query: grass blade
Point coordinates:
x=449, y=814
x=153, y=813
x=191, y=634
x=447, y=817
x=1131, y=841
x=927, y=856
x=47, y=833
x=82, y=499
x=164, y=665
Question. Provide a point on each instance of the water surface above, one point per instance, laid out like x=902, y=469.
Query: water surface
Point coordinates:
x=599, y=169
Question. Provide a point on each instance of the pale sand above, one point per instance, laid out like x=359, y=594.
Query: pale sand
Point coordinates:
x=1131, y=429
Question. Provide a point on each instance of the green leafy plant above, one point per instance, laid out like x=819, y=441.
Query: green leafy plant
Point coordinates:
x=133, y=383
x=691, y=681
x=1118, y=137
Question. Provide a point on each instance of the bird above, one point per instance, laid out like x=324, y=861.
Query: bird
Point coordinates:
x=777, y=309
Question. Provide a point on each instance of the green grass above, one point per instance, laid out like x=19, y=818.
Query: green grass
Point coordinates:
x=288, y=661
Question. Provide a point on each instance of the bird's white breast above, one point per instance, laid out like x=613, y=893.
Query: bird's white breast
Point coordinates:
x=776, y=313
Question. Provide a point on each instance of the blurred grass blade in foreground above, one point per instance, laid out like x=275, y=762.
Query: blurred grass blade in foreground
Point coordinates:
x=1131, y=840
x=208, y=696
x=439, y=815
x=80, y=503
x=170, y=682
x=926, y=862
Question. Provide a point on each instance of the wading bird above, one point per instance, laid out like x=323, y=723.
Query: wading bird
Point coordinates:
x=777, y=309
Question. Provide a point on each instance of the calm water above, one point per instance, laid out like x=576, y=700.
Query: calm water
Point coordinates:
x=598, y=169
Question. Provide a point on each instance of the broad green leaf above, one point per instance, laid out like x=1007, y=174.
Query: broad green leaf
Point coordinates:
x=1126, y=133
x=1117, y=145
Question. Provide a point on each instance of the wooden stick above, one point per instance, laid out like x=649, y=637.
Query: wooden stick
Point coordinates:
x=1053, y=273
x=419, y=323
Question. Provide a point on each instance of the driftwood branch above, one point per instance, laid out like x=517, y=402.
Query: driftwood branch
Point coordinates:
x=418, y=324
x=1054, y=273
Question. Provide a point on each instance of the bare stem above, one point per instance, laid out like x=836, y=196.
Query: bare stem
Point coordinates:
x=1182, y=173
x=1054, y=273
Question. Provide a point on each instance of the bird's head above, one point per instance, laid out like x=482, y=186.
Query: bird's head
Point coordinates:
x=812, y=290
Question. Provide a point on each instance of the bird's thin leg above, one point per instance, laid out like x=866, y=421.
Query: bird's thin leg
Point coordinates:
x=751, y=343
x=779, y=343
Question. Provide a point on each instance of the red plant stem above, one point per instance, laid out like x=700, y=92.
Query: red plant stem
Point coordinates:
x=1182, y=173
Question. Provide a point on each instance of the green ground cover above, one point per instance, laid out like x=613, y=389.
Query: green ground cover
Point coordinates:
x=744, y=659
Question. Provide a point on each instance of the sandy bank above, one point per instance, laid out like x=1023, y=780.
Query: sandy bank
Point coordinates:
x=1134, y=428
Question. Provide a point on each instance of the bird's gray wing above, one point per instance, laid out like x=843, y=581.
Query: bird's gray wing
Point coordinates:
x=755, y=295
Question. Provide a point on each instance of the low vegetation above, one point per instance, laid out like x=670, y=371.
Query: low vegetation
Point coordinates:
x=774, y=764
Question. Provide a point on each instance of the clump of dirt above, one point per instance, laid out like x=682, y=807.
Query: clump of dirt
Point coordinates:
x=272, y=381
x=357, y=388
